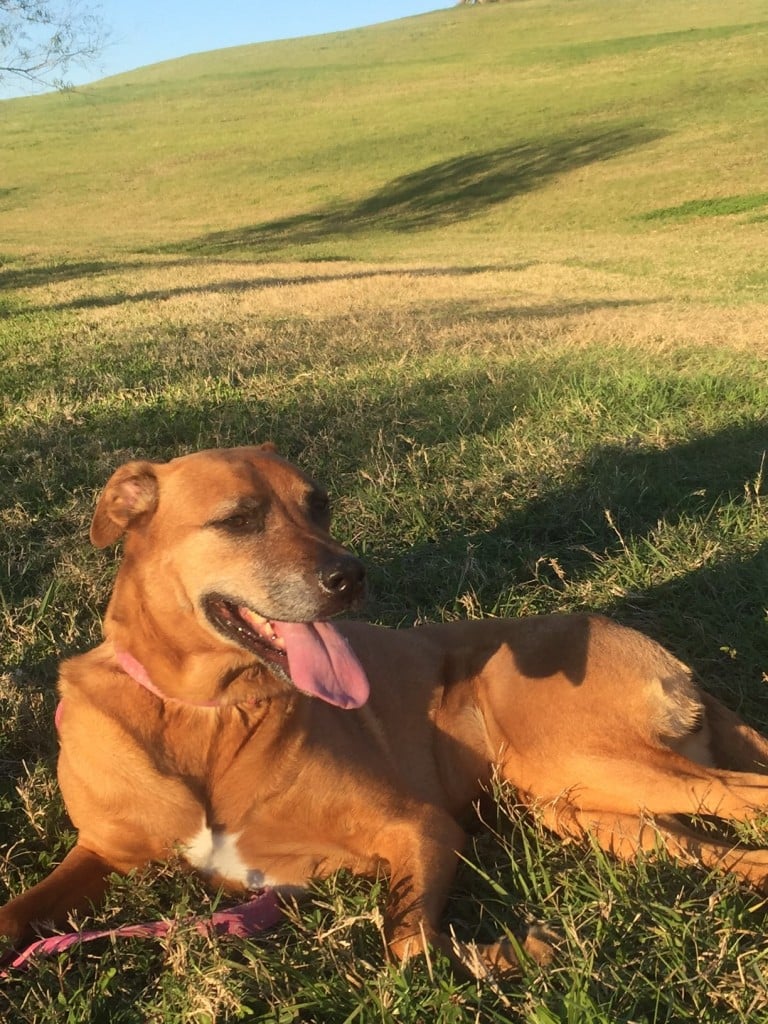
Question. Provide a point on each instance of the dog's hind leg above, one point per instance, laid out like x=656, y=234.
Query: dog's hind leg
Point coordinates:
x=78, y=883
x=646, y=778
x=733, y=744
x=625, y=835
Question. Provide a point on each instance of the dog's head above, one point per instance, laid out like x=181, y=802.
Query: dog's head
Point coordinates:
x=233, y=545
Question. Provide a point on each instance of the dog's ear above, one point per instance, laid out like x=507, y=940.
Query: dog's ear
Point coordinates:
x=131, y=492
x=268, y=446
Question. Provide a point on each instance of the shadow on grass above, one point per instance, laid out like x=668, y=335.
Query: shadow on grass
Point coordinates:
x=546, y=310
x=18, y=274
x=439, y=195
x=639, y=486
x=264, y=283
x=37, y=275
x=713, y=617
x=33, y=275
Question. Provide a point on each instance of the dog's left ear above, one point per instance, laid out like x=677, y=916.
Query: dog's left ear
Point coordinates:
x=268, y=446
x=131, y=492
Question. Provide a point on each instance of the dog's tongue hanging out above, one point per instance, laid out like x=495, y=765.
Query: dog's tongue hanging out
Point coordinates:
x=322, y=663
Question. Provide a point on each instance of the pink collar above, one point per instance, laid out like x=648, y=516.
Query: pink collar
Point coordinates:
x=139, y=674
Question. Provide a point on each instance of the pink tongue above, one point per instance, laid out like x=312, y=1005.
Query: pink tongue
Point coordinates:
x=322, y=663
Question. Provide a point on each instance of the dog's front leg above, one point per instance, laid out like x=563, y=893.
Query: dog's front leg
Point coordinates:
x=75, y=885
x=422, y=857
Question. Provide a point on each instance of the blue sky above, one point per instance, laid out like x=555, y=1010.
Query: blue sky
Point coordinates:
x=148, y=31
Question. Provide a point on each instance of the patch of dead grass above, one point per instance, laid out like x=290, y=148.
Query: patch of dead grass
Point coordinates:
x=532, y=303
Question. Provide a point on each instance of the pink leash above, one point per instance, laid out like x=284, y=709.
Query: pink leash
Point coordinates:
x=258, y=914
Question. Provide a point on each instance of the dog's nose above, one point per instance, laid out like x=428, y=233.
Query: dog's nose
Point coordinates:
x=342, y=577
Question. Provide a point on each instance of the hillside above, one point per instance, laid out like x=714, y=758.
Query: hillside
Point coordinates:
x=504, y=132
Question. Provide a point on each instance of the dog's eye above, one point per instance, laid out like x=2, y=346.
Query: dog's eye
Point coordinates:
x=238, y=522
x=241, y=522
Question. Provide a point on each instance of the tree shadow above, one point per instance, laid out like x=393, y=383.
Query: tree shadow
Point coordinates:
x=636, y=485
x=61, y=271
x=29, y=277
x=547, y=310
x=171, y=354
x=439, y=195
x=713, y=617
x=33, y=472
x=264, y=283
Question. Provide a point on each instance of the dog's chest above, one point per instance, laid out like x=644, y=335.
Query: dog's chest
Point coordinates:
x=216, y=853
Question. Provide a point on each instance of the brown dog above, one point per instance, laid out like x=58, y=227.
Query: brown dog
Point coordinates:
x=225, y=718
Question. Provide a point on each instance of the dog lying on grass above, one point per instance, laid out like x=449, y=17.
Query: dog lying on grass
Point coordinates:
x=225, y=717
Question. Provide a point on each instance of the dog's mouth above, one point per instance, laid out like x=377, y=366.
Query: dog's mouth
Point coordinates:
x=313, y=656
x=248, y=629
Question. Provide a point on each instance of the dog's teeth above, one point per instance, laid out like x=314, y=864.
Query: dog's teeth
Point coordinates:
x=252, y=617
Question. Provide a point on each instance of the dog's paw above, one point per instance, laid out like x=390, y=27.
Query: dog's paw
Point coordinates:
x=508, y=957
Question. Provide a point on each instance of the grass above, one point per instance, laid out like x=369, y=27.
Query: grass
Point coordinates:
x=725, y=206
x=436, y=287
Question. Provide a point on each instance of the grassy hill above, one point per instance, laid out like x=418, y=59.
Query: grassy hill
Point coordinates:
x=577, y=131
x=497, y=276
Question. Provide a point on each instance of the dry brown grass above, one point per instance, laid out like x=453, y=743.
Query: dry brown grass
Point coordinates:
x=530, y=304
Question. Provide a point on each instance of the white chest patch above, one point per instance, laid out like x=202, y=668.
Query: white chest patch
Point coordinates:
x=216, y=853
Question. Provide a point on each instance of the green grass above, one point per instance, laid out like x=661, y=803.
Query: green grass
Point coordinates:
x=725, y=206
x=492, y=275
